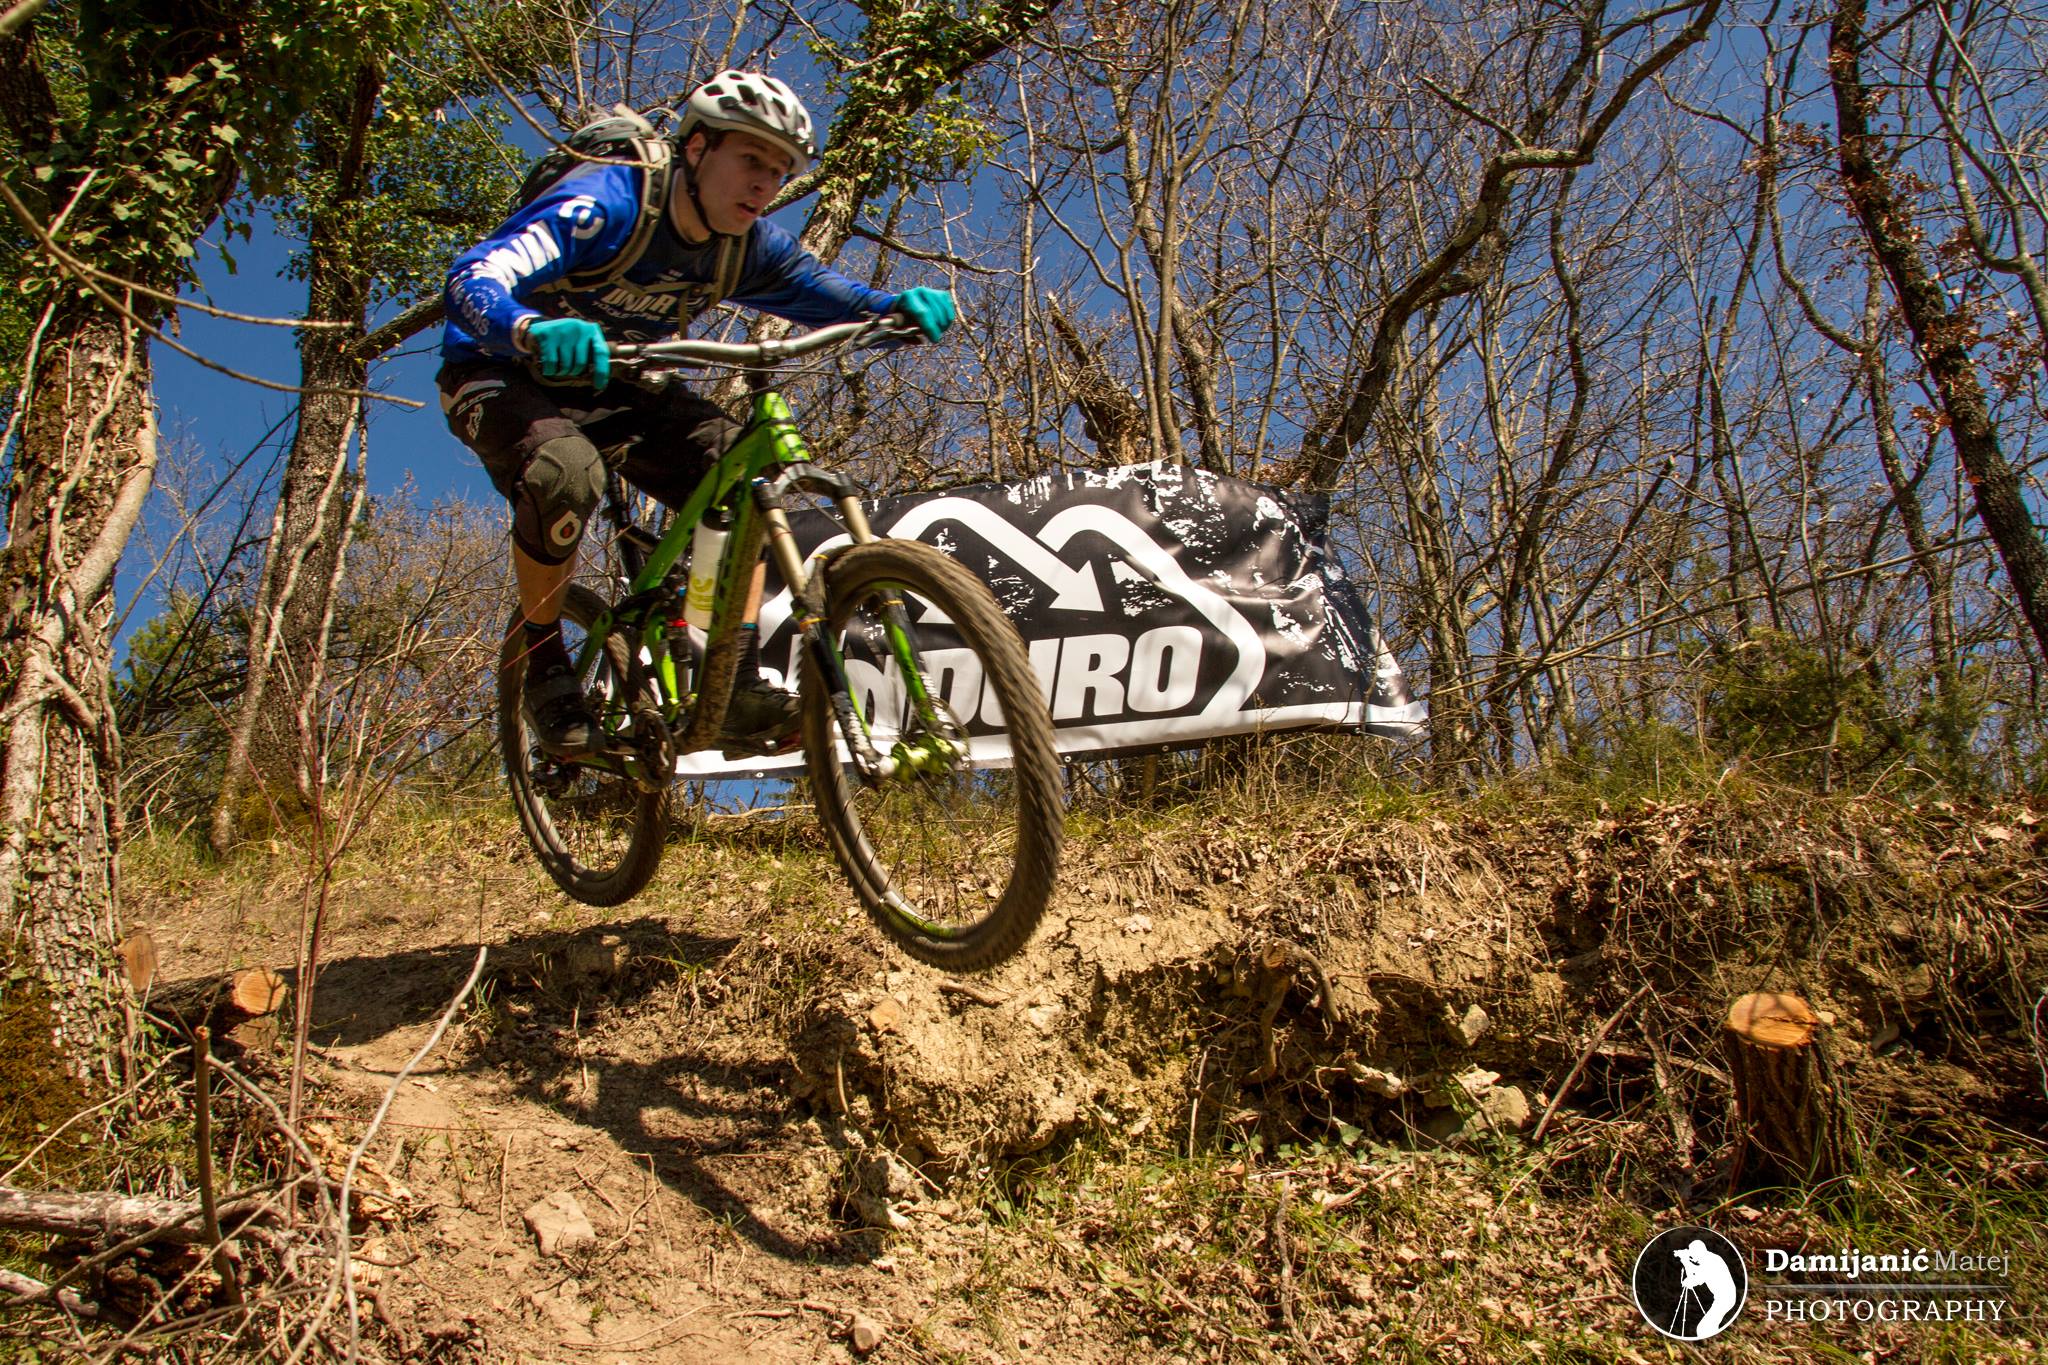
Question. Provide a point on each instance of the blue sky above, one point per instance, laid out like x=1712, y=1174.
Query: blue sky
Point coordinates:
x=227, y=416
x=224, y=418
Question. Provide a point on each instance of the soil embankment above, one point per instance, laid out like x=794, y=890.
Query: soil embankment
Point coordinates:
x=1262, y=1086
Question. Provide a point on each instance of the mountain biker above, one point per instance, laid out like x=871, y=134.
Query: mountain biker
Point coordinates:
x=525, y=380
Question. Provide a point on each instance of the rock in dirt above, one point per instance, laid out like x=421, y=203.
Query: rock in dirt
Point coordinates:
x=883, y=1172
x=887, y=1015
x=876, y=1211
x=1474, y=1025
x=597, y=964
x=1504, y=1107
x=1475, y=1081
x=1385, y=1084
x=558, y=1223
x=865, y=1333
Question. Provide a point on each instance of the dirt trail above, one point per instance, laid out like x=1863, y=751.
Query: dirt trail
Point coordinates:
x=789, y=1144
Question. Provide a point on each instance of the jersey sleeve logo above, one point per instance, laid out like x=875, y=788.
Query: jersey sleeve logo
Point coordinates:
x=584, y=217
x=511, y=262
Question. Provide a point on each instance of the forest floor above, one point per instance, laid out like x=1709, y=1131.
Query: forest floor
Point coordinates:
x=762, y=1135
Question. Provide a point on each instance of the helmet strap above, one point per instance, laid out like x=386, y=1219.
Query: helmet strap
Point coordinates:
x=689, y=170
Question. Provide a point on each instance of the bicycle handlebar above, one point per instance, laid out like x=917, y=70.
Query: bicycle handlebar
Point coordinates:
x=684, y=350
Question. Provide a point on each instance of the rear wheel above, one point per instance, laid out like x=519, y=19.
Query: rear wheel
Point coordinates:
x=955, y=862
x=598, y=834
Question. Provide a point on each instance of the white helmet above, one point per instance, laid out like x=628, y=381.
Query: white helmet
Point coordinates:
x=750, y=102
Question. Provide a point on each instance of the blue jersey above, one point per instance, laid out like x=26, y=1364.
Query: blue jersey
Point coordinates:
x=583, y=221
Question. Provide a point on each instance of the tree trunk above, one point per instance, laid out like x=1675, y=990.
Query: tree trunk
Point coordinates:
x=268, y=754
x=1905, y=489
x=1943, y=339
x=82, y=468
x=270, y=749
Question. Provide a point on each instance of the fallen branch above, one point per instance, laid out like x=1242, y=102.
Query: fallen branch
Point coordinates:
x=1281, y=1243
x=977, y=994
x=1585, y=1055
x=111, y=1215
x=1625, y=1052
x=31, y=1293
x=1682, y=1131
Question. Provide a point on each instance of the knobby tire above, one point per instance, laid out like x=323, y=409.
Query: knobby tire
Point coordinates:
x=611, y=876
x=916, y=849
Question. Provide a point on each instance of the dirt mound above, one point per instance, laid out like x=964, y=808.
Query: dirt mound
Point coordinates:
x=1365, y=971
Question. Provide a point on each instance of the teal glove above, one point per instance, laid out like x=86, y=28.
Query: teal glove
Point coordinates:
x=930, y=309
x=569, y=348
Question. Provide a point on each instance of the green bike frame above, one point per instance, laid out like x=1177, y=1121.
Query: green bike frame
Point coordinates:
x=747, y=486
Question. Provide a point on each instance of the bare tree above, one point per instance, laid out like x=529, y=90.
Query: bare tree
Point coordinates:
x=1942, y=335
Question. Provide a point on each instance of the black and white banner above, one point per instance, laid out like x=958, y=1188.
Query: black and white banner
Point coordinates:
x=1162, y=605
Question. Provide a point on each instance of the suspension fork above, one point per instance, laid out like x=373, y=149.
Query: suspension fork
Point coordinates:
x=807, y=591
x=895, y=616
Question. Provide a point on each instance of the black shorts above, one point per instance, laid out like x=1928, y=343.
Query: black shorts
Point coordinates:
x=663, y=441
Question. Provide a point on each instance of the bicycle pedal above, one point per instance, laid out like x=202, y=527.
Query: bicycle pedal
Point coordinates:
x=745, y=748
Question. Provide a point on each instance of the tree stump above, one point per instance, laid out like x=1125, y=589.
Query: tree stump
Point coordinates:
x=1791, y=1122
x=219, y=1003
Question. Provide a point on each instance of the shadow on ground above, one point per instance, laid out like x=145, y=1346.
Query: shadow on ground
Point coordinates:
x=615, y=1027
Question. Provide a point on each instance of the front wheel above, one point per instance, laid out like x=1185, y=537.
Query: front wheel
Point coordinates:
x=954, y=858
x=598, y=834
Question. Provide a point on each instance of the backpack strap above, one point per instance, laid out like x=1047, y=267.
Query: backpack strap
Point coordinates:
x=657, y=156
x=658, y=163
x=732, y=258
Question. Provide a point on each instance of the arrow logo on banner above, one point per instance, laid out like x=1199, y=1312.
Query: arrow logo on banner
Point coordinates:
x=1073, y=589
x=1158, y=564
x=1079, y=589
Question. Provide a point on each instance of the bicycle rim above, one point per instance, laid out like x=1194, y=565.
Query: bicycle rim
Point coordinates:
x=598, y=834
x=955, y=862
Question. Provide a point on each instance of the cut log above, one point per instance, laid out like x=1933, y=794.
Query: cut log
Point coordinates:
x=138, y=957
x=219, y=1004
x=1791, y=1120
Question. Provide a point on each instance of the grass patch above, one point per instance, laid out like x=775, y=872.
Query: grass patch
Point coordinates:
x=1381, y=1253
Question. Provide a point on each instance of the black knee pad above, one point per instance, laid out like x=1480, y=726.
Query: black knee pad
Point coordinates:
x=558, y=491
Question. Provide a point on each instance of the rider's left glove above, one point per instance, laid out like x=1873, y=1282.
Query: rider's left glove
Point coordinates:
x=931, y=309
x=569, y=348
